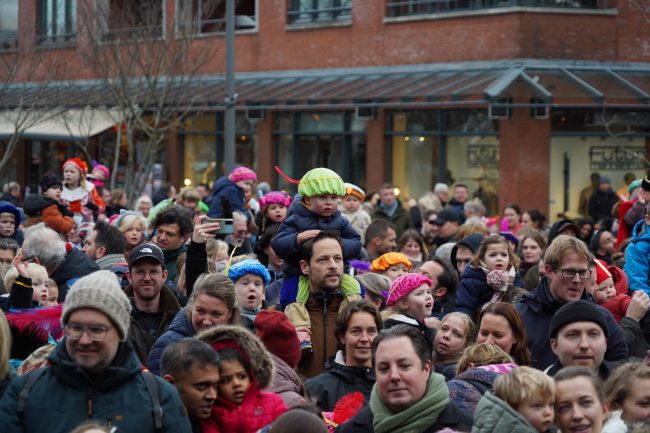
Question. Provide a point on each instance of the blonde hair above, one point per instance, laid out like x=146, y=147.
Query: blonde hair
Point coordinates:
x=482, y=354
x=213, y=246
x=218, y=286
x=523, y=384
x=130, y=220
x=5, y=345
x=620, y=381
x=12, y=274
x=190, y=193
x=470, y=326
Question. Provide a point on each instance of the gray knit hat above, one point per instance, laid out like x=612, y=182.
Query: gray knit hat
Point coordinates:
x=102, y=292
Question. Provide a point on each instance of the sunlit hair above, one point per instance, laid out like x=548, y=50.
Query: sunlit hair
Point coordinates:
x=561, y=246
x=524, y=384
x=568, y=373
x=213, y=246
x=218, y=286
x=469, y=228
x=519, y=352
x=479, y=354
x=130, y=220
x=190, y=193
x=479, y=256
x=12, y=274
x=620, y=381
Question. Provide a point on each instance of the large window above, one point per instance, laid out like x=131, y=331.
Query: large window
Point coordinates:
x=314, y=11
x=57, y=21
x=399, y=8
x=130, y=19
x=197, y=17
x=8, y=24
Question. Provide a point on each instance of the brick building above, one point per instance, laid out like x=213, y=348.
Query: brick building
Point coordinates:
x=527, y=97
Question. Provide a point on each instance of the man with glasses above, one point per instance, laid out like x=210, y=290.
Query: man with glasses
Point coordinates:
x=154, y=305
x=93, y=373
x=566, y=265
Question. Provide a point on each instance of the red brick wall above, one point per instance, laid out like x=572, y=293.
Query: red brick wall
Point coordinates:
x=375, y=153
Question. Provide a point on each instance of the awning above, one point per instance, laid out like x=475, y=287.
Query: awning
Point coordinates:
x=60, y=124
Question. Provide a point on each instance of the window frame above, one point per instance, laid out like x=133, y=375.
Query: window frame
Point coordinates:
x=340, y=11
x=69, y=36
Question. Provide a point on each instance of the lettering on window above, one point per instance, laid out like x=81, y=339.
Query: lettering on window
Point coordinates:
x=616, y=158
x=483, y=156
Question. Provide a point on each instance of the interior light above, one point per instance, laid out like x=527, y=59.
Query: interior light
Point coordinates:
x=397, y=191
x=187, y=182
x=407, y=138
x=421, y=139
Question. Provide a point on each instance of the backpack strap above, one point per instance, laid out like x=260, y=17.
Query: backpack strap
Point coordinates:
x=24, y=393
x=153, y=388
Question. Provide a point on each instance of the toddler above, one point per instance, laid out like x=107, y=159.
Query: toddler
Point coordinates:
x=99, y=175
x=47, y=207
x=352, y=210
x=410, y=302
x=9, y=222
x=391, y=265
x=489, y=278
x=231, y=192
x=28, y=283
x=79, y=195
x=52, y=294
x=314, y=209
x=523, y=400
x=250, y=278
x=133, y=226
x=245, y=368
x=274, y=207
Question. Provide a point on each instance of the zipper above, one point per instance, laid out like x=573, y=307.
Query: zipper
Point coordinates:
x=325, y=325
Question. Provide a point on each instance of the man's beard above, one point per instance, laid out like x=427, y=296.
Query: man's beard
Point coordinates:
x=329, y=287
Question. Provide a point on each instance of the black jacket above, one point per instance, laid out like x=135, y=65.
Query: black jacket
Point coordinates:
x=76, y=265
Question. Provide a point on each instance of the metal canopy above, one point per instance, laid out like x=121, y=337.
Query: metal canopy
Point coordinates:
x=516, y=82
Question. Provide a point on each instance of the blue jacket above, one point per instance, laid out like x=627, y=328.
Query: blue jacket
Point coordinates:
x=538, y=307
x=227, y=197
x=474, y=291
x=637, y=258
x=301, y=219
x=180, y=327
x=65, y=396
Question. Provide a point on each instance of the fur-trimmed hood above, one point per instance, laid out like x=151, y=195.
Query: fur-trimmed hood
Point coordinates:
x=260, y=359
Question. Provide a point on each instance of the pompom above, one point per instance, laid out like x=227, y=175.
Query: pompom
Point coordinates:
x=497, y=279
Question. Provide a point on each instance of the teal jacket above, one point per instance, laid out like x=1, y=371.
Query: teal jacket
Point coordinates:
x=65, y=396
x=495, y=415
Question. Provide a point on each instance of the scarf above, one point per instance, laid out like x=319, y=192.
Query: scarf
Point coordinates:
x=417, y=417
x=389, y=210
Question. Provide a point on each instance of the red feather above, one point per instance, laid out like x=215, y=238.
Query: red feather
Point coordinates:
x=347, y=407
x=285, y=176
x=39, y=322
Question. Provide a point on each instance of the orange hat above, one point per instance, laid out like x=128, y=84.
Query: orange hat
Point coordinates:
x=77, y=162
x=355, y=191
x=390, y=259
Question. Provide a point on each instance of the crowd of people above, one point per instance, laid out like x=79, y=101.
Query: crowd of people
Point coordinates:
x=235, y=308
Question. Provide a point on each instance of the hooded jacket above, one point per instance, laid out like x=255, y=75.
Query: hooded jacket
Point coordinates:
x=65, y=396
x=339, y=380
x=76, y=265
x=39, y=208
x=258, y=408
x=473, y=291
x=495, y=415
x=537, y=309
x=179, y=328
x=227, y=198
x=472, y=242
x=286, y=383
x=637, y=258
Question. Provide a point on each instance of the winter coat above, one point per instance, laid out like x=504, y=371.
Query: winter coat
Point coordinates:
x=82, y=201
x=624, y=228
x=301, y=219
x=450, y=417
x=227, y=198
x=474, y=291
x=401, y=219
x=618, y=306
x=458, y=207
x=65, y=396
x=286, y=383
x=601, y=204
x=141, y=340
x=76, y=265
x=6, y=381
x=337, y=381
x=179, y=328
x=196, y=263
x=20, y=295
x=495, y=415
x=360, y=221
x=405, y=319
x=171, y=256
x=604, y=370
x=39, y=208
x=10, y=198
x=448, y=369
x=637, y=258
x=536, y=310
x=258, y=408
x=467, y=388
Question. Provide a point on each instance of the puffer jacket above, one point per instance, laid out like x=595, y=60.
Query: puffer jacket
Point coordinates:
x=474, y=291
x=76, y=265
x=301, y=219
x=180, y=327
x=227, y=198
x=65, y=396
x=495, y=415
x=287, y=383
x=468, y=387
x=337, y=381
x=39, y=208
x=637, y=266
x=258, y=408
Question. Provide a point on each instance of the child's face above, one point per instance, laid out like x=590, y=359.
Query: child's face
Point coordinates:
x=540, y=413
x=134, y=235
x=496, y=257
x=99, y=174
x=52, y=295
x=233, y=381
x=395, y=271
x=7, y=224
x=419, y=303
x=39, y=284
x=323, y=205
x=250, y=291
x=54, y=193
x=71, y=176
x=190, y=204
x=605, y=291
x=276, y=212
x=451, y=337
x=246, y=185
x=351, y=204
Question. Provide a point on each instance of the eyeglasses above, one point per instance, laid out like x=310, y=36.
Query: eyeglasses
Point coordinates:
x=74, y=331
x=571, y=273
x=432, y=222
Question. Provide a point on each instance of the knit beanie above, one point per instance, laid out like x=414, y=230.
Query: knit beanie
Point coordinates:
x=405, y=284
x=279, y=336
x=6, y=207
x=634, y=185
x=249, y=266
x=242, y=173
x=50, y=180
x=645, y=183
x=77, y=162
x=103, y=169
x=320, y=181
x=602, y=273
x=355, y=191
x=275, y=197
x=387, y=260
x=577, y=311
x=102, y=292
x=605, y=179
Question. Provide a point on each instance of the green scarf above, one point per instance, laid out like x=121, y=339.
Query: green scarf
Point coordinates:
x=416, y=418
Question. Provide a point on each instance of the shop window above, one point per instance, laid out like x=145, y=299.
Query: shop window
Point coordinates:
x=400, y=8
x=198, y=17
x=8, y=24
x=599, y=121
x=130, y=19
x=57, y=21
x=315, y=11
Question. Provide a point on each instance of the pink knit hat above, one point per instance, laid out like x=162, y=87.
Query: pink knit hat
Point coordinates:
x=242, y=173
x=275, y=197
x=405, y=284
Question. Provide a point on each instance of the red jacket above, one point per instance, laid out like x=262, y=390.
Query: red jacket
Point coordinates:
x=256, y=411
x=619, y=303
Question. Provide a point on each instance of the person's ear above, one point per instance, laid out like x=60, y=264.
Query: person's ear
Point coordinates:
x=304, y=266
x=440, y=292
x=165, y=274
x=554, y=345
x=129, y=276
x=427, y=369
x=169, y=378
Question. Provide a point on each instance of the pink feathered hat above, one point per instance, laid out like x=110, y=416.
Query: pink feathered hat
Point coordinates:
x=405, y=284
x=242, y=173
